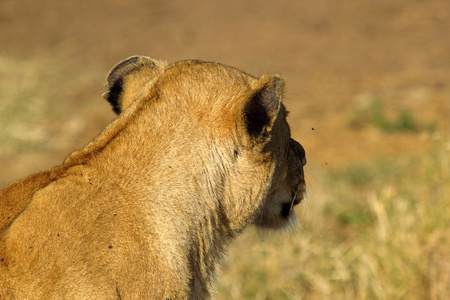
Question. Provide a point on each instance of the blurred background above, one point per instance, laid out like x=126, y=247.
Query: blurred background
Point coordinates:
x=368, y=89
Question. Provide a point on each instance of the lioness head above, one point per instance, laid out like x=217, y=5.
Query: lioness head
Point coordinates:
x=232, y=128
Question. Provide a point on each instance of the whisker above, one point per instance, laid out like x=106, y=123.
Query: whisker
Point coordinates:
x=293, y=200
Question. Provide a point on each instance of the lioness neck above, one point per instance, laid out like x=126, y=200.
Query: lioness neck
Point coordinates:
x=180, y=205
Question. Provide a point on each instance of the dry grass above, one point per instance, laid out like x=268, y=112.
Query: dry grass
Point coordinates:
x=379, y=230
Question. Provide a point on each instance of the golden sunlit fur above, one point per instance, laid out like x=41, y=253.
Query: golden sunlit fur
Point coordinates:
x=146, y=210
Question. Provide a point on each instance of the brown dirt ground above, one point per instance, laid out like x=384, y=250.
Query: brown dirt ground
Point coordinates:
x=335, y=56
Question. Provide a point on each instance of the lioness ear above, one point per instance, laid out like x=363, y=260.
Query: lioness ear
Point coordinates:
x=127, y=77
x=262, y=108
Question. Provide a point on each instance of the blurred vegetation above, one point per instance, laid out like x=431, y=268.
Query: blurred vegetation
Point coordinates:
x=381, y=230
x=22, y=93
x=39, y=99
x=375, y=115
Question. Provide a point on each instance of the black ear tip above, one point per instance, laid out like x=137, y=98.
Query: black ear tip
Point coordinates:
x=121, y=69
x=118, y=76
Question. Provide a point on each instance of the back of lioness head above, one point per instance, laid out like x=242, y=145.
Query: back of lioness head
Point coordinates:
x=237, y=130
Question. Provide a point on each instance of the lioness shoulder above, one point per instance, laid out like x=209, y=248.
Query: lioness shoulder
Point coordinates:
x=198, y=152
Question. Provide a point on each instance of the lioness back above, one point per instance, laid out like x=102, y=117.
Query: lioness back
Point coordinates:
x=198, y=152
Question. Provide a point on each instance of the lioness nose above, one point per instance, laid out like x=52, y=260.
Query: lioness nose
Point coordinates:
x=299, y=151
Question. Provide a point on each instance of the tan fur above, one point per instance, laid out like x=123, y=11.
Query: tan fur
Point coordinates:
x=198, y=152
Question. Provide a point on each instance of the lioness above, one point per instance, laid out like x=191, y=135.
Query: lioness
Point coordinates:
x=199, y=151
